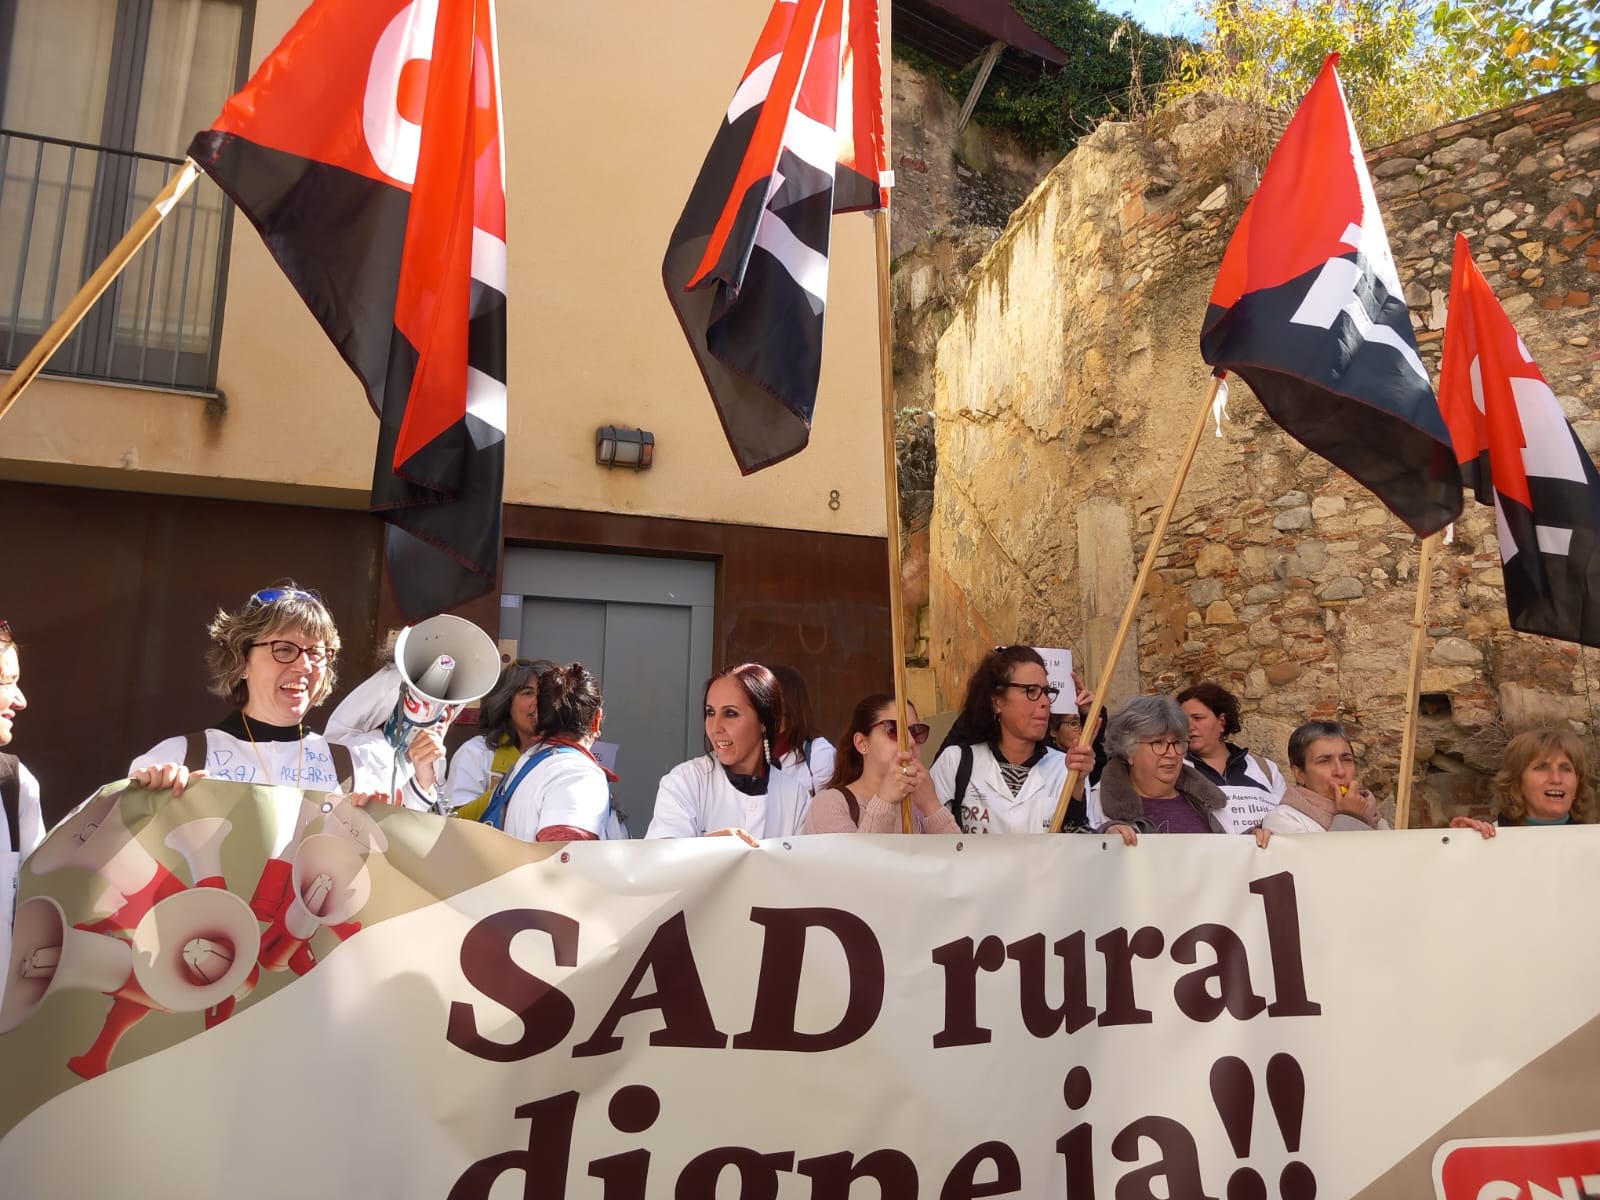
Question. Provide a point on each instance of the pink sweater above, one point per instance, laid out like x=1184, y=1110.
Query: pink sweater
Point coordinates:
x=830, y=813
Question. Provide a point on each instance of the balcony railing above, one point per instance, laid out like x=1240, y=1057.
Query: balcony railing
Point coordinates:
x=63, y=205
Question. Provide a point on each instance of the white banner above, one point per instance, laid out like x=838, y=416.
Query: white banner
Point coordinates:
x=1058, y=670
x=949, y=1016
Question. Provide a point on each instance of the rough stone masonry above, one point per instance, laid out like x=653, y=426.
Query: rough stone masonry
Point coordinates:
x=1070, y=376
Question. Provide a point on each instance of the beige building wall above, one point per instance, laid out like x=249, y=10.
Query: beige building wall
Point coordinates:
x=609, y=113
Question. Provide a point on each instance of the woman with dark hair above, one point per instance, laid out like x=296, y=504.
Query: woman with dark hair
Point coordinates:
x=1253, y=784
x=1326, y=795
x=800, y=749
x=22, y=822
x=872, y=775
x=506, y=727
x=272, y=659
x=733, y=788
x=558, y=791
x=1000, y=775
x=1146, y=785
x=1544, y=779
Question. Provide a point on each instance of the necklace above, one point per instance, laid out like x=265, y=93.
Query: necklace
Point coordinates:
x=266, y=775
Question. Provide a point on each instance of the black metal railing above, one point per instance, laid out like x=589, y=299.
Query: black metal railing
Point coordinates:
x=63, y=205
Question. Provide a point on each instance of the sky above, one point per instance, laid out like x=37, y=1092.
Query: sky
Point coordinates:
x=1159, y=16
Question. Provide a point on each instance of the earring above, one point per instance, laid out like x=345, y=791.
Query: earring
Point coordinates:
x=766, y=747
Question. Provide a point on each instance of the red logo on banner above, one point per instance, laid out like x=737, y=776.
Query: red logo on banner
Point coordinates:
x=1559, y=1167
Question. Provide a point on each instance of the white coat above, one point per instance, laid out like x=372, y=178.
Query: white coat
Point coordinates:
x=988, y=805
x=696, y=798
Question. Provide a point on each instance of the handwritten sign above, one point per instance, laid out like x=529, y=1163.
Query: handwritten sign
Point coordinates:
x=1058, y=667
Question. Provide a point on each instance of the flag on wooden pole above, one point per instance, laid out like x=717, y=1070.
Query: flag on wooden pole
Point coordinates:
x=1518, y=453
x=1308, y=309
x=746, y=267
x=366, y=149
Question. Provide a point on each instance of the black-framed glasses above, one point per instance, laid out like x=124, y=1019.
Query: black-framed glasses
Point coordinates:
x=1033, y=691
x=1164, y=746
x=274, y=594
x=288, y=652
x=918, y=730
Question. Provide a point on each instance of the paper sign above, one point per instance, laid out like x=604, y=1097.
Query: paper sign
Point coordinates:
x=1058, y=667
x=1246, y=807
x=605, y=754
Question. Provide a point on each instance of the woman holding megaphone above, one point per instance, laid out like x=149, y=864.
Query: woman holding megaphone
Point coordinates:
x=273, y=660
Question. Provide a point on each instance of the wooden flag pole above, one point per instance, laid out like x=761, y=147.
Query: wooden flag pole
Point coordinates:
x=78, y=307
x=891, y=492
x=1419, y=630
x=1152, y=551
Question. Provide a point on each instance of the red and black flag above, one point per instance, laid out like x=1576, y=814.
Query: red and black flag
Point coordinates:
x=367, y=151
x=1308, y=309
x=747, y=266
x=1518, y=453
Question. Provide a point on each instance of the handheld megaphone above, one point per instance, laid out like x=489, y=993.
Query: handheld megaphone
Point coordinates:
x=445, y=664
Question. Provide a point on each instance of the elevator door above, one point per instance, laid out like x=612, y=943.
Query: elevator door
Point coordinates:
x=643, y=625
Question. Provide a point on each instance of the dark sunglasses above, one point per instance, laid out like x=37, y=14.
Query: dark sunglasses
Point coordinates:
x=273, y=595
x=918, y=731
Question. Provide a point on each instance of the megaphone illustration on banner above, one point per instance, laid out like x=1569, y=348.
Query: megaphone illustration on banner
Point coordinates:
x=445, y=664
x=49, y=956
x=330, y=886
x=190, y=952
x=95, y=839
x=200, y=843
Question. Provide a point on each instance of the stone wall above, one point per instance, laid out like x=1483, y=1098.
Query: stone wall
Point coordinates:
x=1070, y=375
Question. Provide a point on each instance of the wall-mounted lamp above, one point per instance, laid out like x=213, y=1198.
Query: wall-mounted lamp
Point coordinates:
x=615, y=447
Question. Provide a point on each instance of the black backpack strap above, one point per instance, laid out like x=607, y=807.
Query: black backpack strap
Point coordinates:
x=11, y=797
x=963, y=777
x=343, y=765
x=853, y=805
x=194, y=754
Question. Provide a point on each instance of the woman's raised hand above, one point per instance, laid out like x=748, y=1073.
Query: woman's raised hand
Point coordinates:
x=173, y=776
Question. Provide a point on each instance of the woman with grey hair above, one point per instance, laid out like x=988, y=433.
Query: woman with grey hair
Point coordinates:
x=1146, y=784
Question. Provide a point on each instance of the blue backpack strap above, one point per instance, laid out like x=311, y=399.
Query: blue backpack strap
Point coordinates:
x=495, y=814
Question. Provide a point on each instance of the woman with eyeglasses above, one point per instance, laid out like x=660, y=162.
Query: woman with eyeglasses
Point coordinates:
x=735, y=787
x=1147, y=786
x=272, y=659
x=872, y=775
x=1000, y=774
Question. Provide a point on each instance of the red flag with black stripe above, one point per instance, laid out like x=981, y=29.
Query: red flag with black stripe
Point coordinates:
x=1518, y=453
x=1308, y=309
x=746, y=268
x=366, y=149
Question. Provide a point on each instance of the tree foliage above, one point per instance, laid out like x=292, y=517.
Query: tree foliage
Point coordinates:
x=1407, y=65
x=1113, y=68
x=1524, y=49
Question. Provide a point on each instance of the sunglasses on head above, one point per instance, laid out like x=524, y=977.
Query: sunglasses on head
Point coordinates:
x=918, y=731
x=274, y=594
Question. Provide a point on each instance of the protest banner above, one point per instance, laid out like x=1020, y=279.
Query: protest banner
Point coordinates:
x=436, y=1010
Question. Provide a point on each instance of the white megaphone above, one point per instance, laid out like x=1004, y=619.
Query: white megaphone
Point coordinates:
x=191, y=952
x=95, y=839
x=445, y=664
x=49, y=956
x=200, y=843
x=331, y=885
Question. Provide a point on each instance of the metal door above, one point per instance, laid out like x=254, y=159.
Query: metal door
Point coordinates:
x=643, y=625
